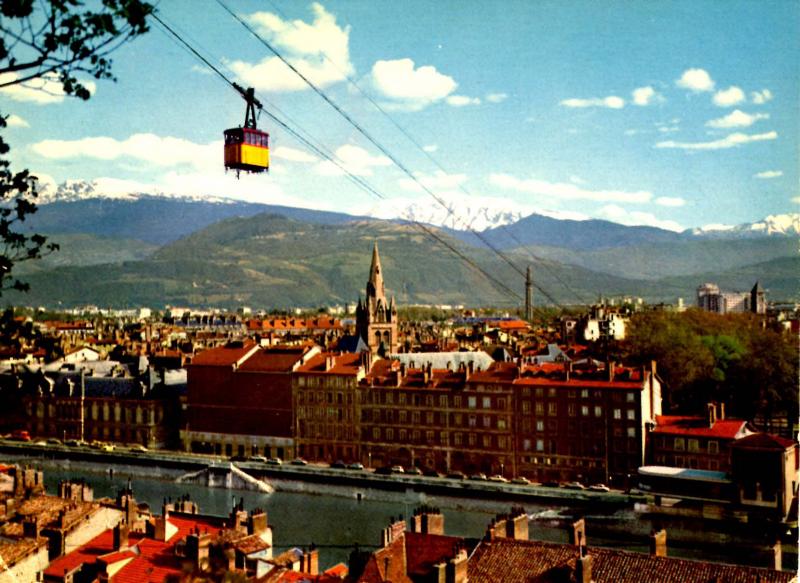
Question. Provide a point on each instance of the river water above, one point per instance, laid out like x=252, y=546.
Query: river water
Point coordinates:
x=335, y=522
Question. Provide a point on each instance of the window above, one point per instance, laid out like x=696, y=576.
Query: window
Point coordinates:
x=457, y=402
x=443, y=401
x=429, y=400
x=598, y=411
x=472, y=439
x=630, y=397
x=540, y=426
x=679, y=444
x=401, y=398
x=551, y=392
x=403, y=434
x=390, y=434
x=487, y=441
x=389, y=398
x=617, y=413
x=526, y=444
x=540, y=408
x=415, y=417
x=501, y=442
x=572, y=393
x=526, y=406
x=631, y=414
x=487, y=402
x=585, y=410
x=403, y=416
x=571, y=409
x=584, y=393
x=458, y=419
x=376, y=433
x=457, y=439
x=552, y=408
x=713, y=447
x=472, y=402
x=501, y=403
x=540, y=393
x=540, y=445
x=631, y=432
x=473, y=420
x=694, y=445
x=501, y=423
x=429, y=436
x=487, y=422
x=429, y=417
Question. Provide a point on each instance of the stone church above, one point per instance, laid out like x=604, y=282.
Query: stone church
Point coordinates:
x=376, y=318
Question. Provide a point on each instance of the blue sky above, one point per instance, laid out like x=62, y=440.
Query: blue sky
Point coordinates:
x=673, y=114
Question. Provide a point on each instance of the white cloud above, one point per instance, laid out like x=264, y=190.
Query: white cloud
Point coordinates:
x=319, y=50
x=355, y=159
x=736, y=119
x=430, y=148
x=728, y=97
x=645, y=96
x=761, y=97
x=45, y=90
x=496, y=97
x=730, y=141
x=620, y=215
x=15, y=121
x=670, y=201
x=436, y=182
x=769, y=174
x=202, y=69
x=409, y=88
x=462, y=100
x=795, y=199
x=576, y=179
x=567, y=191
x=696, y=80
x=611, y=102
x=157, y=150
x=292, y=154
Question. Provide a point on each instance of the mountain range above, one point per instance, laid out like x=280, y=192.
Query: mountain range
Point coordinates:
x=137, y=249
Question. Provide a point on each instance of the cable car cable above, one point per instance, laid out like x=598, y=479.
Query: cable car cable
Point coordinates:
x=358, y=180
x=371, y=139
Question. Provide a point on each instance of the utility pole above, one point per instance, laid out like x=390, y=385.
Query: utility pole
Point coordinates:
x=83, y=397
x=528, y=295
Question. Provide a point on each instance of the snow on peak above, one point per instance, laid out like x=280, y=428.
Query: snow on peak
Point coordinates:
x=782, y=225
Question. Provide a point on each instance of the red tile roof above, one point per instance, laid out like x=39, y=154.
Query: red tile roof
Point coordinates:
x=155, y=559
x=516, y=560
x=698, y=427
x=765, y=441
x=273, y=360
x=423, y=551
x=343, y=364
x=226, y=355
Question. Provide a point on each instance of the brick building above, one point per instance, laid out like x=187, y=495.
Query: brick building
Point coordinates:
x=324, y=392
x=239, y=399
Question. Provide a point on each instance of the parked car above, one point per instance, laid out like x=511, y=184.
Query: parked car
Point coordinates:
x=522, y=480
x=138, y=448
x=414, y=471
x=431, y=473
x=107, y=447
x=551, y=484
x=20, y=435
x=574, y=486
x=599, y=488
x=238, y=458
x=54, y=441
x=498, y=478
x=75, y=443
x=398, y=470
x=258, y=458
x=355, y=466
x=456, y=475
x=298, y=461
x=275, y=461
x=383, y=470
x=481, y=477
x=339, y=465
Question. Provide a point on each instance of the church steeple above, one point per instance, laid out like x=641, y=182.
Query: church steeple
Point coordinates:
x=375, y=284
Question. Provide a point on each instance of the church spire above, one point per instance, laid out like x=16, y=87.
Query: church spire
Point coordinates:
x=376, y=276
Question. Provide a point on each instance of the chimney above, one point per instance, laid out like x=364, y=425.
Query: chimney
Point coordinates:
x=567, y=370
x=721, y=412
x=427, y=520
x=777, y=556
x=470, y=368
x=120, y=537
x=712, y=414
x=393, y=531
x=583, y=567
x=197, y=549
x=311, y=561
x=257, y=522
x=330, y=362
x=577, y=532
x=30, y=526
x=402, y=369
x=658, y=543
x=457, y=568
x=610, y=366
x=517, y=524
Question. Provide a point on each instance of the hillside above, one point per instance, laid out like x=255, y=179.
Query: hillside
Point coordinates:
x=271, y=261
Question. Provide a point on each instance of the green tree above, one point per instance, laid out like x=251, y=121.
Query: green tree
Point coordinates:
x=53, y=40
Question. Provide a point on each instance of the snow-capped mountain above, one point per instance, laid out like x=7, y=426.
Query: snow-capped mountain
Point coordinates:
x=77, y=190
x=787, y=225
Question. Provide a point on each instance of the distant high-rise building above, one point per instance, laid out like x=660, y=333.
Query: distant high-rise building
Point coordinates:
x=376, y=318
x=711, y=299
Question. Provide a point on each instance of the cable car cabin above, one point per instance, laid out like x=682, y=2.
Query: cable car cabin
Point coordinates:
x=246, y=149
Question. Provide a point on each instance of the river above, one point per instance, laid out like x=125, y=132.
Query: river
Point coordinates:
x=335, y=522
